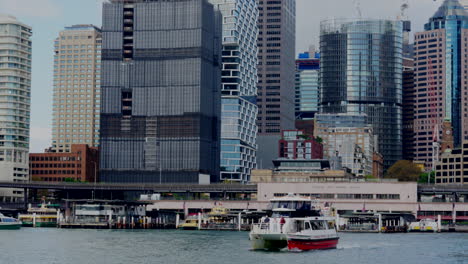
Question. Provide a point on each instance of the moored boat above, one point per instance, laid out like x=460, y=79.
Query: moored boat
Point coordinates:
x=9, y=223
x=312, y=233
x=43, y=216
x=191, y=223
x=424, y=225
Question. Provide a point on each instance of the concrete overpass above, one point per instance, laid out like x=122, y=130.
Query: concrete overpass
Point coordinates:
x=148, y=187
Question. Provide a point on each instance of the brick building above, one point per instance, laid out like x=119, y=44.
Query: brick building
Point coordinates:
x=295, y=144
x=80, y=164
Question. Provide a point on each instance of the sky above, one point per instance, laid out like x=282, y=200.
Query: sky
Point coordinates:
x=48, y=17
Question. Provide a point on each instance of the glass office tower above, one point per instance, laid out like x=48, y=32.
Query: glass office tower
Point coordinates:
x=160, y=111
x=239, y=88
x=361, y=72
x=307, y=95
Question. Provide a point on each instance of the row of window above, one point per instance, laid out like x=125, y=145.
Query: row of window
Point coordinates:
x=52, y=172
x=346, y=196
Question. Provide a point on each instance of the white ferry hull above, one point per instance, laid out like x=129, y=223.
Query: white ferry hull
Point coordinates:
x=268, y=241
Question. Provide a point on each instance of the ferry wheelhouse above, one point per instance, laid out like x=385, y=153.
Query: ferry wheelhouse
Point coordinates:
x=312, y=233
x=271, y=232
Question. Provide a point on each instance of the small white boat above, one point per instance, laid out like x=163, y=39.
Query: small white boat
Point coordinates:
x=424, y=225
x=9, y=223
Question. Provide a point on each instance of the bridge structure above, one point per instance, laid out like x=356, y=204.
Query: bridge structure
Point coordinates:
x=147, y=187
x=123, y=191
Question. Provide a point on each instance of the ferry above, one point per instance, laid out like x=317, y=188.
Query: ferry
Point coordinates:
x=9, y=223
x=191, y=223
x=271, y=233
x=312, y=233
x=46, y=216
x=425, y=225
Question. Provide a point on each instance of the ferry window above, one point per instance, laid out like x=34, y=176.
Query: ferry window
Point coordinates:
x=307, y=226
x=317, y=225
x=331, y=225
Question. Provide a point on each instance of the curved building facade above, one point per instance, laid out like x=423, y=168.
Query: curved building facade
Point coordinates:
x=361, y=73
x=15, y=99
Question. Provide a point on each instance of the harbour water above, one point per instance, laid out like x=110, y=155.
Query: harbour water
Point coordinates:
x=49, y=246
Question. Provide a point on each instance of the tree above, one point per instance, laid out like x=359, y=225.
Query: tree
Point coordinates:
x=423, y=177
x=319, y=140
x=403, y=170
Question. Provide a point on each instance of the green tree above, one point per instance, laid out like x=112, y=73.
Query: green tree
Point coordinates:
x=403, y=170
x=423, y=177
x=319, y=140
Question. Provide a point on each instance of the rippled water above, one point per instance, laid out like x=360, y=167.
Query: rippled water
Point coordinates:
x=30, y=245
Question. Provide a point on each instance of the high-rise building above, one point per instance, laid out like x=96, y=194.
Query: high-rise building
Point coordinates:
x=307, y=96
x=361, y=73
x=161, y=82
x=239, y=88
x=409, y=102
x=77, y=92
x=464, y=3
x=15, y=102
x=276, y=74
x=441, y=81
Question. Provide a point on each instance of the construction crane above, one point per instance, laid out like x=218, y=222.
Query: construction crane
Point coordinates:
x=403, y=7
x=357, y=5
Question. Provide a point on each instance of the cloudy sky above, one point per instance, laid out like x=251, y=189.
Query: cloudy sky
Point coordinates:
x=48, y=17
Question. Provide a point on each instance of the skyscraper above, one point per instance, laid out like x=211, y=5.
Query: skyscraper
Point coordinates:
x=15, y=101
x=361, y=73
x=77, y=92
x=441, y=80
x=307, y=96
x=239, y=88
x=276, y=74
x=464, y=3
x=409, y=102
x=160, y=111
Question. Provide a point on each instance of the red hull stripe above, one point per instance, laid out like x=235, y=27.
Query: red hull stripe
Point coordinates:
x=313, y=244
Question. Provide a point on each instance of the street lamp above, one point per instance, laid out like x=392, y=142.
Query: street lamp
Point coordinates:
x=95, y=176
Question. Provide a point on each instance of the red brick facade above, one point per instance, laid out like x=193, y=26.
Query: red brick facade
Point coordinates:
x=295, y=144
x=81, y=164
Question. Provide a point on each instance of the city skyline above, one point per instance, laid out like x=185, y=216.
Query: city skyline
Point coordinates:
x=48, y=17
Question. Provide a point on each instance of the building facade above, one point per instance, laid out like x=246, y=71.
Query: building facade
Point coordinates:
x=81, y=163
x=160, y=111
x=276, y=73
x=295, y=144
x=307, y=96
x=452, y=167
x=361, y=73
x=315, y=170
x=348, y=137
x=409, y=102
x=77, y=92
x=239, y=88
x=15, y=104
x=440, y=80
